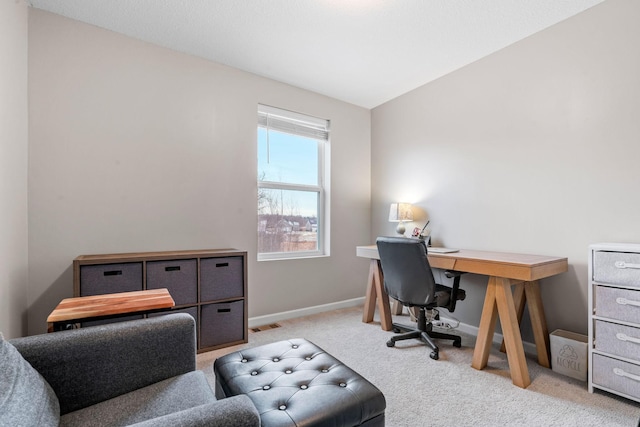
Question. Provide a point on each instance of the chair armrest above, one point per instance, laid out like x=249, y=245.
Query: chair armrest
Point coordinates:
x=89, y=365
x=236, y=411
x=456, y=292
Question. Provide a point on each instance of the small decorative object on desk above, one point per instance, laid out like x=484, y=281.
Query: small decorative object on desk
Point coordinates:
x=420, y=234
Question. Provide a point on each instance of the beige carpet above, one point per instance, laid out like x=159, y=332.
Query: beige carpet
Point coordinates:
x=446, y=392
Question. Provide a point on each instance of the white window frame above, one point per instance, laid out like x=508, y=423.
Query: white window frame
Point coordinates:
x=310, y=127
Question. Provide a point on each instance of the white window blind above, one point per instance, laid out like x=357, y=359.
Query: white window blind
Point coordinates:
x=293, y=123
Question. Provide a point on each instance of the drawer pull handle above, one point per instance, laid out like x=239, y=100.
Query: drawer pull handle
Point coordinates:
x=624, y=301
x=224, y=310
x=222, y=264
x=113, y=273
x=619, y=372
x=622, y=264
x=623, y=337
x=172, y=268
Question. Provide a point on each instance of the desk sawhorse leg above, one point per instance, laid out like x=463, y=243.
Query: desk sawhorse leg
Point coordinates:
x=499, y=301
x=377, y=294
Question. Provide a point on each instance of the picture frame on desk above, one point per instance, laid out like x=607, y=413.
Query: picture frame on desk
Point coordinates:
x=417, y=234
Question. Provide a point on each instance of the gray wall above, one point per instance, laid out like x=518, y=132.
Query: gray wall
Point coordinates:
x=134, y=147
x=13, y=167
x=533, y=149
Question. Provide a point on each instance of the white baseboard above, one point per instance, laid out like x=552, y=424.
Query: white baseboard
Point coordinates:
x=268, y=319
x=292, y=314
x=529, y=348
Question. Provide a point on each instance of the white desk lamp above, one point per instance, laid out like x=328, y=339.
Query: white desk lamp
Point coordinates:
x=400, y=212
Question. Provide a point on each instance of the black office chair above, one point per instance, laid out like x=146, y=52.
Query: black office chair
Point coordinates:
x=408, y=278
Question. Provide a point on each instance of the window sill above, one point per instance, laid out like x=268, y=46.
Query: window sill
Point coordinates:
x=289, y=256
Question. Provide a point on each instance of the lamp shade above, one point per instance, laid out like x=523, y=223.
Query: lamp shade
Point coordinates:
x=399, y=212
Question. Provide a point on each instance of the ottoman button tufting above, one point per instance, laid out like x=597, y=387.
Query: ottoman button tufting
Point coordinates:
x=360, y=404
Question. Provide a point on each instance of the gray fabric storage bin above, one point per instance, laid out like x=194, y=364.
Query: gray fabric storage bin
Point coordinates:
x=617, y=268
x=221, y=323
x=617, y=303
x=569, y=354
x=618, y=340
x=616, y=375
x=221, y=278
x=180, y=277
x=110, y=278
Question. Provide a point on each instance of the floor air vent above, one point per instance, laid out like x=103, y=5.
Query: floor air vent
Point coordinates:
x=265, y=327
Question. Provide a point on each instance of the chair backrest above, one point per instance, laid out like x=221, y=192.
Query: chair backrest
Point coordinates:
x=407, y=273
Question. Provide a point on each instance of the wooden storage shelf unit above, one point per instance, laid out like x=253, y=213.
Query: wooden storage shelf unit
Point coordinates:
x=210, y=285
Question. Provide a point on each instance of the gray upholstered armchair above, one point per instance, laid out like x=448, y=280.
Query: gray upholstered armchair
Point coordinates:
x=139, y=372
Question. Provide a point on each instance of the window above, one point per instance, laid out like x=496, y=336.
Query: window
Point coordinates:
x=292, y=205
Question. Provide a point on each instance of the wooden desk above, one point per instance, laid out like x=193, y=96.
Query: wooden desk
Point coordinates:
x=71, y=310
x=505, y=270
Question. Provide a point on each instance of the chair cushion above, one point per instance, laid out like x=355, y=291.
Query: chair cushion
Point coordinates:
x=165, y=397
x=26, y=399
x=235, y=411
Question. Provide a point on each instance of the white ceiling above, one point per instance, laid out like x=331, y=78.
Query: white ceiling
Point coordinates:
x=365, y=52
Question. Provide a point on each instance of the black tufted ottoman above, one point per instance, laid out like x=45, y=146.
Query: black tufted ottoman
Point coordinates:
x=296, y=383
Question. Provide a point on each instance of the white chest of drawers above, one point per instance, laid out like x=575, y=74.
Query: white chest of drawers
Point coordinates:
x=614, y=319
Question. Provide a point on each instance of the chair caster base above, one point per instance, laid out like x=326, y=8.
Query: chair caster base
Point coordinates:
x=391, y=343
x=434, y=355
x=457, y=343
